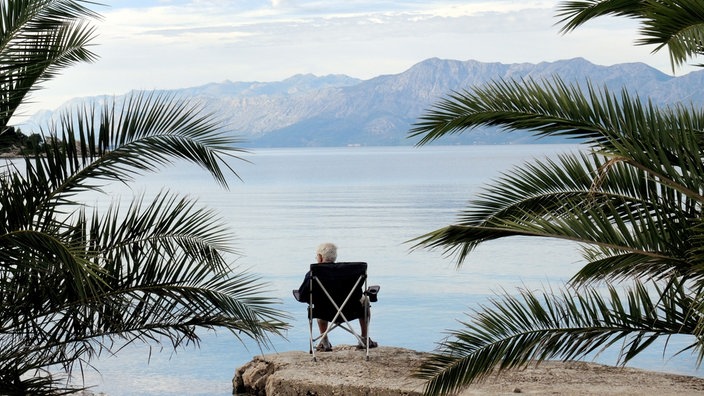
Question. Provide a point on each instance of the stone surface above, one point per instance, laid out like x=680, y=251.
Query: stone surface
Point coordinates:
x=345, y=371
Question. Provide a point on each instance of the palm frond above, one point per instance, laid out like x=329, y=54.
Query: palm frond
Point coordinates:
x=33, y=258
x=159, y=276
x=675, y=24
x=574, y=14
x=550, y=108
x=622, y=211
x=532, y=327
x=634, y=204
x=75, y=284
x=121, y=140
x=167, y=258
x=617, y=125
x=37, y=40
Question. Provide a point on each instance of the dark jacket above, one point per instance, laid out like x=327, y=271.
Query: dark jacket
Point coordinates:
x=304, y=289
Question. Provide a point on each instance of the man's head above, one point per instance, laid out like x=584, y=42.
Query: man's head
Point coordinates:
x=326, y=253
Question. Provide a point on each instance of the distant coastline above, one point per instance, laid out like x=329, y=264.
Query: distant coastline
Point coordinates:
x=338, y=111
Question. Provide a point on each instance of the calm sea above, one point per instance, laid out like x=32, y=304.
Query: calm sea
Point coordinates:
x=370, y=201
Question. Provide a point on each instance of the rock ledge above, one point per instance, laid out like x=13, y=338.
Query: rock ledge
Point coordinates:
x=388, y=373
x=344, y=371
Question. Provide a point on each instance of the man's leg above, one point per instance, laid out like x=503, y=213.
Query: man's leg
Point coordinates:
x=363, y=327
x=324, y=344
x=322, y=326
x=363, y=324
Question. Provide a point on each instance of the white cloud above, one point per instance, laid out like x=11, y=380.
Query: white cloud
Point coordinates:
x=278, y=3
x=476, y=8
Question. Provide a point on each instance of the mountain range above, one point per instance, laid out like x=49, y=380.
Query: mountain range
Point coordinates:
x=338, y=110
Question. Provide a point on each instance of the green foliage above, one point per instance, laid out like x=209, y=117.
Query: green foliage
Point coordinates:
x=77, y=282
x=11, y=138
x=632, y=199
x=13, y=142
x=674, y=24
x=513, y=331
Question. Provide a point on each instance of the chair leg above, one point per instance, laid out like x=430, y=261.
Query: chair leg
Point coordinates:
x=367, y=319
x=311, y=350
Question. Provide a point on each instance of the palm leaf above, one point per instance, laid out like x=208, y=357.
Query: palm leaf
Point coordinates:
x=515, y=331
x=37, y=40
x=161, y=274
x=675, y=24
x=142, y=134
x=623, y=212
x=574, y=14
x=633, y=195
x=620, y=125
x=548, y=108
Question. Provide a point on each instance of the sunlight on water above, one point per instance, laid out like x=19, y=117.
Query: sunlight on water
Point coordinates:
x=371, y=202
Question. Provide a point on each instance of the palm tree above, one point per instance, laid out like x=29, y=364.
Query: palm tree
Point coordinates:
x=77, y=282
x=634, y=201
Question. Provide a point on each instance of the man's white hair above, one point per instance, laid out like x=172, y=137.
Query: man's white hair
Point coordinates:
x=328, y=251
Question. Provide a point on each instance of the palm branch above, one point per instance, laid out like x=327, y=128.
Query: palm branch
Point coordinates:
x=634, y=197
x=515, y=331
x=675, y=24
x=38, y=39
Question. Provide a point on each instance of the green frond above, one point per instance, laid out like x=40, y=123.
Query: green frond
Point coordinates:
x=675, y=24
x=617, y=125
x=514, y=331
x=38, y=39
x=548, y=107
x=166, y=223
x=622, y=210
x=574, y=14
x=154, y=273
x=167, y=258
x=37, y=257
x=117, y=141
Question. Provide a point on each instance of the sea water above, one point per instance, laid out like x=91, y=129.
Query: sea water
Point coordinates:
x=371, y=202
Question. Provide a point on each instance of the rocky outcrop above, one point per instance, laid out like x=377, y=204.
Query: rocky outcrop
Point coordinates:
x=345, y=371
x=388, y=371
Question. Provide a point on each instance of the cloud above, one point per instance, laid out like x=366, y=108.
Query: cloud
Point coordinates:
x=279, y=3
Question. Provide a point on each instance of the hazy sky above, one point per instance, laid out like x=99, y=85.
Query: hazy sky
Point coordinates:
x=165, y=44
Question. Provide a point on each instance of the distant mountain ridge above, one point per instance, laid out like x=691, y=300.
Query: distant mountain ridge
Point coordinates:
x=338, y=110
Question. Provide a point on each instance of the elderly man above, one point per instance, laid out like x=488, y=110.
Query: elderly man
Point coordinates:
x=327, y=253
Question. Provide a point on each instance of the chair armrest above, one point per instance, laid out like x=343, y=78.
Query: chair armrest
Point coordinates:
x=372, y=292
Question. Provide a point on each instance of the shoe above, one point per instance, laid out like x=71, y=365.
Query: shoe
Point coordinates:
x=324, y=346
x=362, y=345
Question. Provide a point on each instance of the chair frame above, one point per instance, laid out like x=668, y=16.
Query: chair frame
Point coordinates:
x=318, y=289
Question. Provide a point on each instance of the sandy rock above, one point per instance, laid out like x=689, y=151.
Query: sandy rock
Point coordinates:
x=346, y=372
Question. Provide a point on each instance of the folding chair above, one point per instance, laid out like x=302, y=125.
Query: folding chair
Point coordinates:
x=338, y=295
